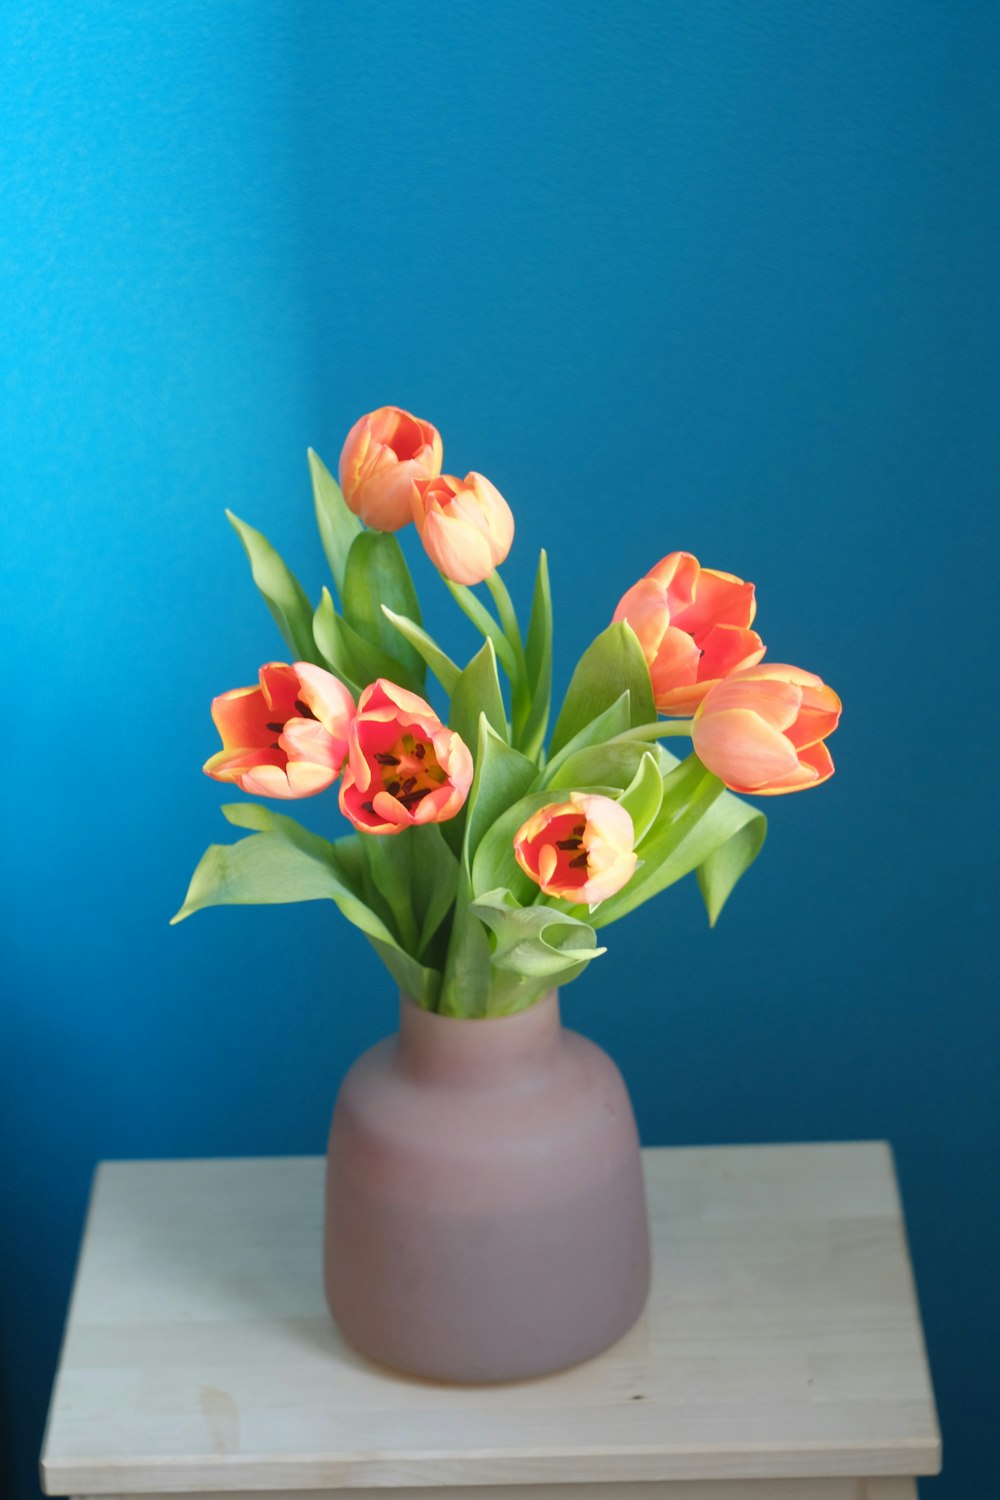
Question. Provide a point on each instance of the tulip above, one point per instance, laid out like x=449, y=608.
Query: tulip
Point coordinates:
x=761, y=731
x=466, y=525
x=404, y=766
x=386, y=452
x=693, y=626
x=581, y=849
x=285, y=738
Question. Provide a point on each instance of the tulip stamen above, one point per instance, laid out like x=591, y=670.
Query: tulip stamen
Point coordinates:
x=580, y=862
x=568, y=843
x=303, y=710
x=385, y=759
x=278, y=728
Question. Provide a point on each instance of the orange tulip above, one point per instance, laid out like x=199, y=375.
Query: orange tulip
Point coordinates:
x=693, y=626
x=761, y=731
x=403, y=765
x=386, y=452
x=466, y=525
x=285, y=738
x=581, y=849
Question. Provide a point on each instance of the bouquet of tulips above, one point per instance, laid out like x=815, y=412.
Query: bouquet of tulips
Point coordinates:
x=486, y=854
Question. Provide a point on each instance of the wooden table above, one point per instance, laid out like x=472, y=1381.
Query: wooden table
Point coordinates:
x=780, y=1358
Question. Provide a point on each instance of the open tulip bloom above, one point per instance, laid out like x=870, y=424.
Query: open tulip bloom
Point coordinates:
x=484, y=853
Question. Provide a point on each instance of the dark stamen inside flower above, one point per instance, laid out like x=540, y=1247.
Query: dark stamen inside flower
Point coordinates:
x=409, y=784
x=368, y=807
x=568, y=843
x=410, y=799
x=420, y=751
x=392, y=787
x=580, y=863
x=385, y=759
x=274, y=728
x=303, y=710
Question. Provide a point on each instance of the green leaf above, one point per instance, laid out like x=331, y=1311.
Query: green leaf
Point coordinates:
x=435, y=873
x=534, y=941
x=607, y=765
x=465, y=989
x=389, y=865
x=327, y=635
x=502, y=777
x=445, y=670
x=742, y=829
x=643, y=797
x=376, y=574
x=538, y=656
x=611, y=665
x=355, y=661
x=338, y=526
x=476, y=611
x=287, y=864
x=613, y=721
x=280, y=589
x=478, y=691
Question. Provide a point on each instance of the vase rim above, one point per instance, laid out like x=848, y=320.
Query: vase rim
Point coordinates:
x=470, y=1049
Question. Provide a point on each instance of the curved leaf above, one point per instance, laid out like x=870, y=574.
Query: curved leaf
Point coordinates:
x=375, y=574
x=476, y=692
x=280, y=589
x=445, y=670
x=338, y=526
x=612, y=664
x=534, y=941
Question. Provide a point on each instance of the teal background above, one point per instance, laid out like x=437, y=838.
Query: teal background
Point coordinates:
x=711, y=275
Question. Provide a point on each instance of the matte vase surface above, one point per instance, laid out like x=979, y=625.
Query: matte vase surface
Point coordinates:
x=486, y=1215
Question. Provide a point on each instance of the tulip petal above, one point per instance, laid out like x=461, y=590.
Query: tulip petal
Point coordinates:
x=741, y=748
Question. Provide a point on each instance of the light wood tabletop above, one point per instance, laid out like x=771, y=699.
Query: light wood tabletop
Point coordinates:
x=781, y=1354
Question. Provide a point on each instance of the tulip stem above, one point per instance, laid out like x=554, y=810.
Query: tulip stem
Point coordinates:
x=520, y=693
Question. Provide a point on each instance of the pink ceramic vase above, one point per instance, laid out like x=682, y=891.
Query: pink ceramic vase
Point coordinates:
x=486, y=1217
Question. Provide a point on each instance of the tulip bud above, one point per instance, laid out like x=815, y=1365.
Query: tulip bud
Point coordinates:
x=761, y=730
x=404, y=766
x=693, y=626
x=285, y=738
x=466, y=525
x=386, y=452
x=581, y=849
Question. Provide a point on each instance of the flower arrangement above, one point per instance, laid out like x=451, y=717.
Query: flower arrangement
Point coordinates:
x=486, y=854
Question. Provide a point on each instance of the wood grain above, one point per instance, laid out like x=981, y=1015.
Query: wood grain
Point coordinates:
x=782, y=1341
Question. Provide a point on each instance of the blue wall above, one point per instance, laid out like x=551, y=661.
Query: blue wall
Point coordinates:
x=711, y=275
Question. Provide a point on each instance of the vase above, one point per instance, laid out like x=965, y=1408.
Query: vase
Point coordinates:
x=485, y=1208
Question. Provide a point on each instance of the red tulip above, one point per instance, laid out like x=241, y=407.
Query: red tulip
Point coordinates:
x=761, y=731
x=581, y=849
x=385, y=453
x=285, y=738
x=693, y=626
x=466, y=525
x=403, y=765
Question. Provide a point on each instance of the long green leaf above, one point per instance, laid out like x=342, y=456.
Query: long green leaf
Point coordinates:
x=502, y=777
x=594, y=735
x=281, y=591
x=612, y=664
x=476, y=692
x=270, y=868
x=376, y=574
x=355, y=660
x=476, y=611
x=643, y=797
x=741, y=830
x=538, y=658
x=445, y=670
x=338, y=526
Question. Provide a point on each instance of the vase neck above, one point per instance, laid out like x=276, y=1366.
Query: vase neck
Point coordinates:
x=462, y=1050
